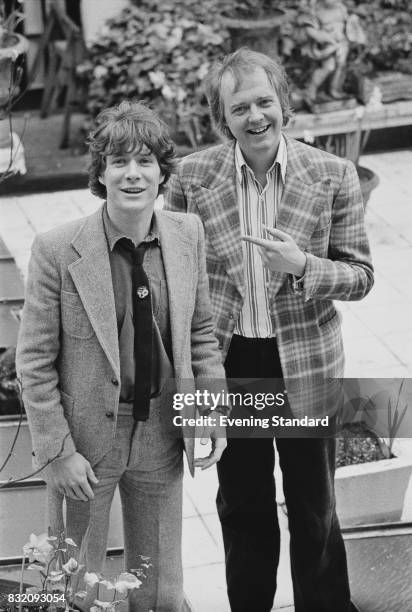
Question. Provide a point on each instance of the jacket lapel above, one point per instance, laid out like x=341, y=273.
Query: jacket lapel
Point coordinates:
x=178, y=265
x=304, y=195
x=92, y=277
x=216, y=200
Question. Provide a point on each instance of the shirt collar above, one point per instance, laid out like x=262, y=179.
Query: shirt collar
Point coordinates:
x=113, y=234
x=281, y=158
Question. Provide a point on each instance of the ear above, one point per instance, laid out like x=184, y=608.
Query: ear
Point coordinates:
x=101, y=180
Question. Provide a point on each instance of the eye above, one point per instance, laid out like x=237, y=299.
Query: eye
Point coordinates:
x=238, y=110
x=118, y=161
x=266, y=102
x=145, y=161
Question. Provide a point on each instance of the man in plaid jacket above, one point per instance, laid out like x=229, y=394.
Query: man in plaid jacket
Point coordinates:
x=285, y=233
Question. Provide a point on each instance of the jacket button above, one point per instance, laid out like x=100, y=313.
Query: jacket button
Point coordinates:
x=115, y=382
x=109, y=414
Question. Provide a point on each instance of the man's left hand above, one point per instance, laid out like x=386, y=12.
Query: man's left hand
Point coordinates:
x=217, y=435
x=280, y=255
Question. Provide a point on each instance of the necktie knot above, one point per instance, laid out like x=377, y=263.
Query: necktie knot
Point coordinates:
x=137, y=253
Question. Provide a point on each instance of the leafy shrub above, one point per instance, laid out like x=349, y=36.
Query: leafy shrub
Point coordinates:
x=159, y=51
x=388, y=25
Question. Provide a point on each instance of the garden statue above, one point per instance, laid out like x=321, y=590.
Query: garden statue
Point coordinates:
x=329, y=30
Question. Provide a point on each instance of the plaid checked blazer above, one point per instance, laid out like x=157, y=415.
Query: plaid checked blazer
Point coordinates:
x=322, y=209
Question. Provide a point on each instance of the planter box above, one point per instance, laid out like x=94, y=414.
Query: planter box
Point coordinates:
x=379, y=564
x=374, y=492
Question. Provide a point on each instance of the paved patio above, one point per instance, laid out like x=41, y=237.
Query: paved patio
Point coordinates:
x=377, y=333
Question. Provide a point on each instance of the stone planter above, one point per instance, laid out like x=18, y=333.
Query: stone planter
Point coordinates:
x=374, y=492
x=369, y=180
x=258, y=34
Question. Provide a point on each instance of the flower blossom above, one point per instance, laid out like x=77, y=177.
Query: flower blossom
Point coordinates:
x=126, y=582
x=38, y=548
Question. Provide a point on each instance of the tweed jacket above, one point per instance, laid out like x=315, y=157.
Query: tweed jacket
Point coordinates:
x=322, y=209
x=68, y=352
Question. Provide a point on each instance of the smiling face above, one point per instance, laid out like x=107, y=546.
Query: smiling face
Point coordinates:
x=132, y=183
x=253, y=114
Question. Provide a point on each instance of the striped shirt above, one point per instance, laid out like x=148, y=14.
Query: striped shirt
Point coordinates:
x=258, y=207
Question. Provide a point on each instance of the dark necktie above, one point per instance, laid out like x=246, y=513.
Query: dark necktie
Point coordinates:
x=143, y=330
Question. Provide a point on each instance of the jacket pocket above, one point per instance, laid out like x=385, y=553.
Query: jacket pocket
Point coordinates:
x=75, y=321
x=330, y=317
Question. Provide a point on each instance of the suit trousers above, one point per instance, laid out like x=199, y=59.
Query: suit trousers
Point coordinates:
x=146, y=462
x=246, y=503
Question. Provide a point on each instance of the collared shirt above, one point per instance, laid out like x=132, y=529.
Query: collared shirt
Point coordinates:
x=258, y=207
x=121, y=268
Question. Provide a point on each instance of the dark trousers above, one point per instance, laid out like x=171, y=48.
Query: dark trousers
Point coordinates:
x=246, y=503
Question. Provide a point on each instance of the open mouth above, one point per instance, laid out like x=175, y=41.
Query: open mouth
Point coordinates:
x=260, y=130
x=132, y=190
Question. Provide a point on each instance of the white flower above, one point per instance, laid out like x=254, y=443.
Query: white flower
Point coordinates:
x=71, y=567
x=126, y=582
x=38, y=548
x=91, y=578
x=106, y=583
x=157, y=78
x=100, y=72
x=167, y=92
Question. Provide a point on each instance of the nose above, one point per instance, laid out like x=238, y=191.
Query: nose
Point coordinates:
x=133, y=170
x=255, y=114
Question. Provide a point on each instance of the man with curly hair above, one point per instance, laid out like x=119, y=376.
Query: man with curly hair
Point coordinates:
x=117, y=304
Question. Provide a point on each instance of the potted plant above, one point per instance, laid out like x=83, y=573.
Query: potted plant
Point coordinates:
x=385, y=62
x=374, y=466
x=9, y=391
x=13, y=47
x=254, y=23
x=159, y=51
x=63, y=576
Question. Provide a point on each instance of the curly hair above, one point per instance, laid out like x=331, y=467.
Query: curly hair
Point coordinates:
x=126, y=127
x=241, y=62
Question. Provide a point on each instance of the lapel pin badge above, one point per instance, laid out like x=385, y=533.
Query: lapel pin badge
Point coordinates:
x=142, y=292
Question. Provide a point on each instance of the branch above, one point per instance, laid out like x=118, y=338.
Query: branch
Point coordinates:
x=48, y=462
